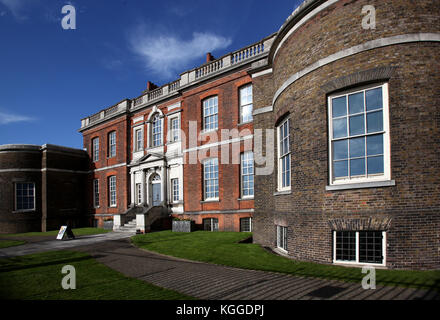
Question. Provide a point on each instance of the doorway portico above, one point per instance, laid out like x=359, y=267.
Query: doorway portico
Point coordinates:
x=149, y=182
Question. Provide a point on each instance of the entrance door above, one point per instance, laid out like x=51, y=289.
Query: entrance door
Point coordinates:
x=156, y=194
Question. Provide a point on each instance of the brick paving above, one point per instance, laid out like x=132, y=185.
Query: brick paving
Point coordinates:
x=212, y=282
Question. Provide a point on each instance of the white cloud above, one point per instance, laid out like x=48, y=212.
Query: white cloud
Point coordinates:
x=7, y=118
x=18, y=8
x=167, y=55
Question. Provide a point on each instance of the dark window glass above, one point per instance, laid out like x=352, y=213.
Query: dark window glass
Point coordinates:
x=346, y=245
x=370, y=247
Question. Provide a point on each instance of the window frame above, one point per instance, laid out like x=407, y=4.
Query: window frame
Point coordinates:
x=283, y=237
x=212, y=223
x=242, y=175
x=386, y=176
x=250, y=224
x=216, y=194
x=16, y=209
x=112, y=144
x=174, y=132
x=357, y=262
x=138, y=141
x=111, y=191
x=95, y=149
x=242, y=106
x=175, y=191
x=138, y=193
x=156, y=118
x=282, y=157
x=96, y=198
x=205, y=116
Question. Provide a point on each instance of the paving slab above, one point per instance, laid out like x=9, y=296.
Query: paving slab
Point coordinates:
x=51, y=245
x=213, y=282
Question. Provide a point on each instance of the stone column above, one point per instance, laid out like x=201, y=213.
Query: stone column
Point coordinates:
x=133, y=188
x=164, y=185
x=143, y=193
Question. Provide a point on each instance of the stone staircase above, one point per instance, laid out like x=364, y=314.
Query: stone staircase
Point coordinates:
x=129, y=227
x=147, y=216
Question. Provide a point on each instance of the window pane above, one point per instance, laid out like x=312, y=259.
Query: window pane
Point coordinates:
x=374, y=121
x=339, y=107
x=357, y=167
x=356, y=103
x=357, y=125
x=375, y=165
x=357, y=147
x=375, y=145
x=374, y=99
x=340, y=149
x=370, y=247
x=345, y=246
x=340, y=169
x=247, y=113
x=339, y=128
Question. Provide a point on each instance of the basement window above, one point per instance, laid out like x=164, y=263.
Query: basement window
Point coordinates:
x=359, y=247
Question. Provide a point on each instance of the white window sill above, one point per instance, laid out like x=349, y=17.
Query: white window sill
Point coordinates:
x=246, y=122
x=24, y=211
x=282, y=192
x=205, y=131
x=361, y=185
x=281, y=251
x=210, y=200
x=245, y=198
x=358, y=264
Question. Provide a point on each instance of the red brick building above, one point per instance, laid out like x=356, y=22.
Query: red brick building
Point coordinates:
x=185, y=147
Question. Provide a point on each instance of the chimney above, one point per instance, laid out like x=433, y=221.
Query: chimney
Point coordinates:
x=209, y=57
x=151, y=86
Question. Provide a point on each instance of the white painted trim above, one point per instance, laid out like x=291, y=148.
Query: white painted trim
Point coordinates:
x=353, y=182
x=262, y=110
x=205, y=146
x=110, y=167
x=262, y=73
x=138, y=119
x=280, y=187
x=373, y=44
x=174, y=106
x=20, y=170
x=357, y=263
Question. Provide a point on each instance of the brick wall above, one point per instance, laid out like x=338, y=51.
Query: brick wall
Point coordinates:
x=412, y=204
x=226, y=89
x=59, y=177
x=106, y=167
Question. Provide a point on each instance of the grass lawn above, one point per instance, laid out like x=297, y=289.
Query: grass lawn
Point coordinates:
x=76, y=232
x=38, y=276
x=10, y=243
x=223, y=248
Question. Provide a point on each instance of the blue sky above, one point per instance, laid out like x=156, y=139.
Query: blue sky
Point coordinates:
x=51, y=77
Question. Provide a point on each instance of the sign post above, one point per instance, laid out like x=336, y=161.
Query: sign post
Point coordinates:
x=65, y=233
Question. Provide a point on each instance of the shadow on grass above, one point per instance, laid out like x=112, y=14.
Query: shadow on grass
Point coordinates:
x=38, y=265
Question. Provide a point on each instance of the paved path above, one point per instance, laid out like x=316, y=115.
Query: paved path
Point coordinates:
x=49, y=245
x=212, y=282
